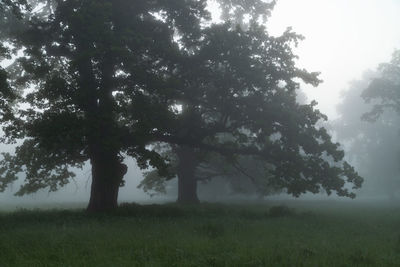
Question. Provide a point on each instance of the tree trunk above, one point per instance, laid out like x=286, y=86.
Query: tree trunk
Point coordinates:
x=107, y=175
x=103, y=133
x=187, y=182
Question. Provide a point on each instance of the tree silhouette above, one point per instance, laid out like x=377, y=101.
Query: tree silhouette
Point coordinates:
x=106, y=79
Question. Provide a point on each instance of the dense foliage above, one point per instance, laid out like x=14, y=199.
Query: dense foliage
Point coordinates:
x=239, y=97
x=10, y=23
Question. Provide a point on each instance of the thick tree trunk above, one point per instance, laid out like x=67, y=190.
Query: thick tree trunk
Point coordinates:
x=187, y=182
x=107, y=175
x=103, y=138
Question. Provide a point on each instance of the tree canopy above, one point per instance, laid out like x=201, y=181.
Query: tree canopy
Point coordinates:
x=250, y=97
x=10, y=23
x=385, y=89
x=90, y=67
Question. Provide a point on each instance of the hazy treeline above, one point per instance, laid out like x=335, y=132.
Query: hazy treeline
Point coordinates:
x=369, y=129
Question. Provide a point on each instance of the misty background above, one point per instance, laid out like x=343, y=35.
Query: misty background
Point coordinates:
x=345, y=41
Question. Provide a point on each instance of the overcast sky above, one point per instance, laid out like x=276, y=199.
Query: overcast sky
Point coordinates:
x=343, y=39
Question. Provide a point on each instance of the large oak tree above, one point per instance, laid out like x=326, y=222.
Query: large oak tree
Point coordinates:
x=237, y=95
x=90, y=67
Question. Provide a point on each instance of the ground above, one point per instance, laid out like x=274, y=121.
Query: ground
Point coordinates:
x=269, y=234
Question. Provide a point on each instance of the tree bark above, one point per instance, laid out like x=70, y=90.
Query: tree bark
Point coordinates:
x=103, y=135
x=107, y=176
x=187, y=182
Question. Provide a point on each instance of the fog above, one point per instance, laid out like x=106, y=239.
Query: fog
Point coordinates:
x=343, y=39
x=77, y=192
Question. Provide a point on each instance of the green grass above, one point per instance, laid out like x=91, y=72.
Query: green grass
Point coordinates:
x=305, y=234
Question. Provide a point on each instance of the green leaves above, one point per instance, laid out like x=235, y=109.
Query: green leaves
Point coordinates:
x=241, y=85
x=42, y=167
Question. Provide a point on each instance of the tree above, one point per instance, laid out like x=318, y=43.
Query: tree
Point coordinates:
x=241, y=84
x=92, y=65
x=367, y=143
x=382, y=95
x=385, y=89
x=109, y=78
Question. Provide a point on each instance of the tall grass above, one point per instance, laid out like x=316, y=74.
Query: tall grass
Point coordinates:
x=204, y=235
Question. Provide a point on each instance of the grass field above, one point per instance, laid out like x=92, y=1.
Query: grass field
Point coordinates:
x=305, y=234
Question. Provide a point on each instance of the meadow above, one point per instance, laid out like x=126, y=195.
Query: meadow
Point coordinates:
x=269, y=234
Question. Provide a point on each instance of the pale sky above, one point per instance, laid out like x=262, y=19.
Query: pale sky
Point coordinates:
x=343, y=39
